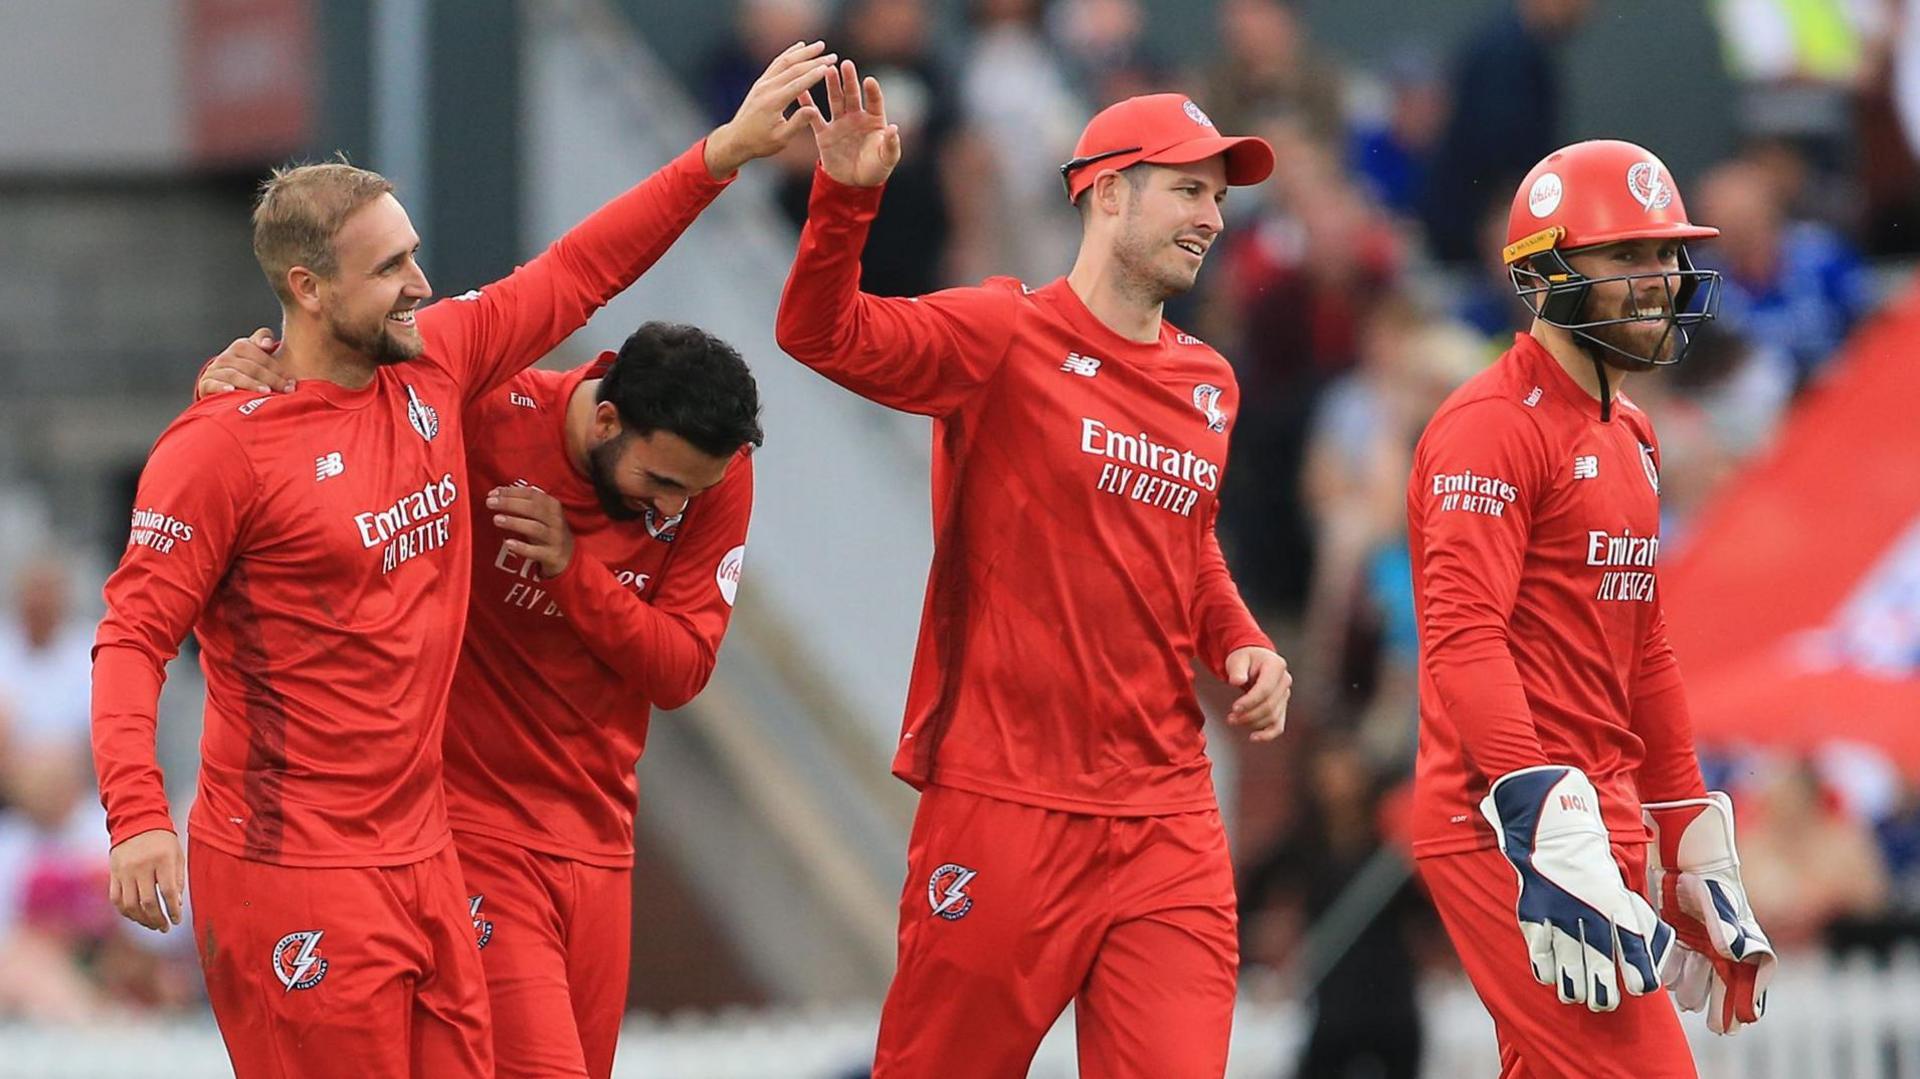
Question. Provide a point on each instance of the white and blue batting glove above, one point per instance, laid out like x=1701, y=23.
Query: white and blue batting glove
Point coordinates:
x=1723, y=961
x=1587, y=933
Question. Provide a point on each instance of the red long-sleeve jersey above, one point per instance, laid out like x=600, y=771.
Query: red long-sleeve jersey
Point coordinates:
x=1075, y=570
x=317, y=544
x=558, y=675
x=1535, y=535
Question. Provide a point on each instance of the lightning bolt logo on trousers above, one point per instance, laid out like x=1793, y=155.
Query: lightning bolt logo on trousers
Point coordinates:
x=296, y=961
x=947, y=891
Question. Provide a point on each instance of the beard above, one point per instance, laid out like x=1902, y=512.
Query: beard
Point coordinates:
x=1644, y=347
x=1143, y=260
x=601, y=461
x=378, y=342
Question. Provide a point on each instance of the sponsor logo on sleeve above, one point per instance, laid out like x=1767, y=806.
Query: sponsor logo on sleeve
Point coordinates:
x=1470, y=492
x=947, y=891
x=158, y=531
x=728, y=575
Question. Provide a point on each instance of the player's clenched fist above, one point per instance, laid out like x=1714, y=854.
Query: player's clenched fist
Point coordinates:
x=536, y=517
x=761, y=128
x=147, y=877
x=1262, y=709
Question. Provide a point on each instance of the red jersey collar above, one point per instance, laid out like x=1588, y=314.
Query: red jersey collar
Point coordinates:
x=1084, y=321
x=1547, y=370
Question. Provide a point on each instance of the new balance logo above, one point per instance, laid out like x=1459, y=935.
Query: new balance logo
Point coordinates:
x=1084, y=366
x=328, y=465
x=1586, y=467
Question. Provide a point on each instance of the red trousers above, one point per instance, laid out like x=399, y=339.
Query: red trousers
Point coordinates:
x=347, y=973
x=1541, y=1038
x=557, y=937
x=1010, y=911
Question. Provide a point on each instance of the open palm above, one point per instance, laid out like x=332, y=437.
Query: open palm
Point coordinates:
x=857, y=145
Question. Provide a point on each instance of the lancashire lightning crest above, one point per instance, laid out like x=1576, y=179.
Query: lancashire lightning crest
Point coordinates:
x=1206, y=398
x=482, y=928
x=947, y=891
x=424, y=417
x=296, y=960
x=1648, y=186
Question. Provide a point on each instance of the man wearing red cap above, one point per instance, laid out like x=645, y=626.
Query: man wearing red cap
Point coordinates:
x=1554, y=730
x=1068, y=845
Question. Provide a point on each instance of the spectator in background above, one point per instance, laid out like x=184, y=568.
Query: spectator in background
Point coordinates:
x=761, y=28
x=1360, y=633
x=1488, y=304
x=1020, y=99
x=63, y=954
x=1107, y=53
x=1806, y=862
x=1390, y=146
x=930, y=217
x=1298, y=281
x=1792, y=283
x=1267, y=65
x=1507, y=105
x=1366, y=1018
x=46, y=657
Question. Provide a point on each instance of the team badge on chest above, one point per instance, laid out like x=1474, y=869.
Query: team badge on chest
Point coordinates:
x=1650, y=467
x=424, y=417
x=1206, y=398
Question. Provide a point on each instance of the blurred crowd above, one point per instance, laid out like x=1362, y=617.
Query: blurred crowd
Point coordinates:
x=64, y=954
x=1352, y=292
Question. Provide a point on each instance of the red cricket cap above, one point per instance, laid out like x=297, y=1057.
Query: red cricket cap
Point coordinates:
x=1160, y=129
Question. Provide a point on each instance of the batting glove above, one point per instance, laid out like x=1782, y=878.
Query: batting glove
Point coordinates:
x=1587, y=933
x=1724, y=961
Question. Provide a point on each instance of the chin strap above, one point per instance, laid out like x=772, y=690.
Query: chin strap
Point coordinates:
x=1606, y=388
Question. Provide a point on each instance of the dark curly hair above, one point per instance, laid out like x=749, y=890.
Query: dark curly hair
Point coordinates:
x=673, y=377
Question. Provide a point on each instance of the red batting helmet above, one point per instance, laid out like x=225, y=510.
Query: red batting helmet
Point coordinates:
x=1601, y=192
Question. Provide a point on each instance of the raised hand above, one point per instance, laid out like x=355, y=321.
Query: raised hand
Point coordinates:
x=857, y=145
x=761, y=128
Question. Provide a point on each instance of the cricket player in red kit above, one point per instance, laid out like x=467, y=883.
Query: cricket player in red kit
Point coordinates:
x=608, y=552
x=1068, y=844
x=318, y=543
x=1554, y=730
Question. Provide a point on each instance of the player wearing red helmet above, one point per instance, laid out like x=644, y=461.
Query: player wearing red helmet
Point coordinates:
x=1554, y=730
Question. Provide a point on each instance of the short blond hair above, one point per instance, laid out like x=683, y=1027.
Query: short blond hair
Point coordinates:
x=300, y=209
